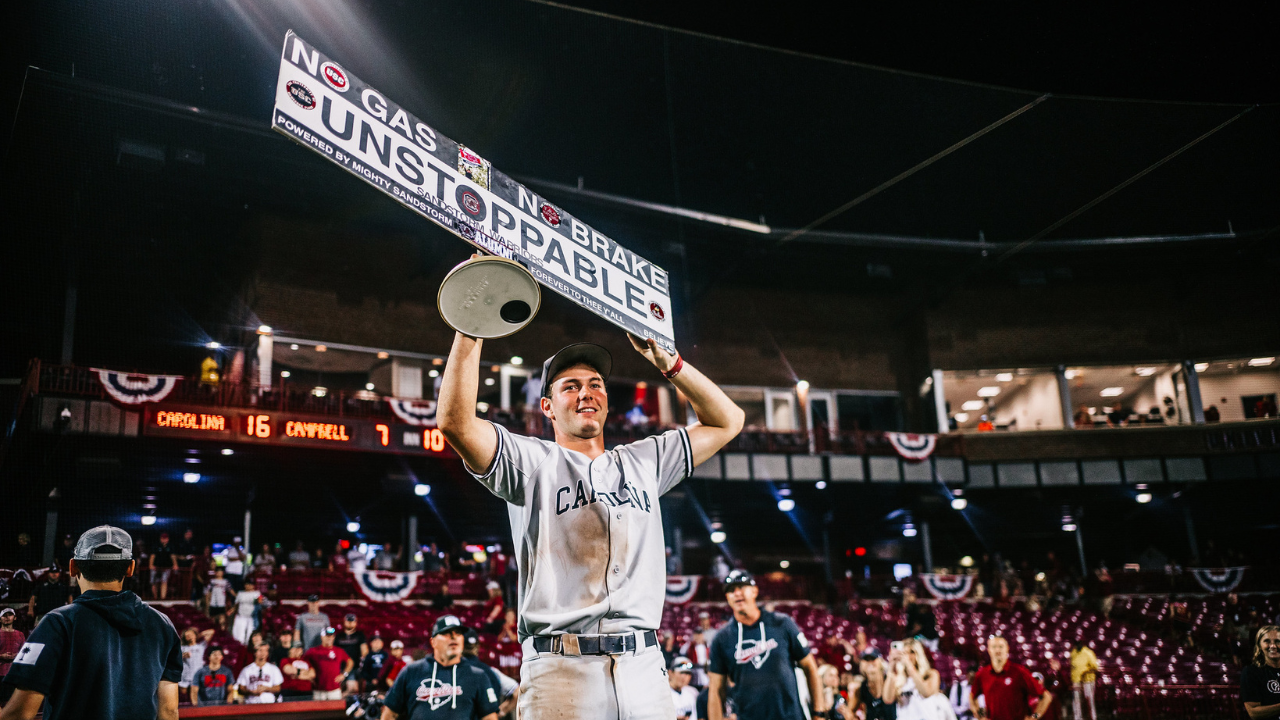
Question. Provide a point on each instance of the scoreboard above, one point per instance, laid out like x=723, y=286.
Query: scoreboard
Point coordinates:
x=293, y=430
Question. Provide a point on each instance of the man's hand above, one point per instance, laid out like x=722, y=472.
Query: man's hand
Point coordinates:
x=649, y=348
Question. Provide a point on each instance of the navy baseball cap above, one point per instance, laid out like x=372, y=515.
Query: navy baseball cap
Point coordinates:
x=584, y=353
x=738, y=578
x=682, y=665
x=472, y=637
x=447, y=623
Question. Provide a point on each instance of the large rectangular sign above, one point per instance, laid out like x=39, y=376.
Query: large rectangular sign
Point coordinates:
x=324, y=107
x=292, y=429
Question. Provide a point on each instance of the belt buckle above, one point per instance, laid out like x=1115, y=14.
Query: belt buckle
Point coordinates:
x=569, y=646
x=617, y=644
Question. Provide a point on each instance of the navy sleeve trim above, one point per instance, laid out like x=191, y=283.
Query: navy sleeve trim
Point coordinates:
x=688, y=452
x=497, y=455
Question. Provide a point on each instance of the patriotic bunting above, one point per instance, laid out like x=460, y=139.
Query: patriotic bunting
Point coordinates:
x=414, y=412
x=1218, y=580
x=947, y=587
x=911, y=446
x=131, y=389
x=381, y=586
x=681, y=588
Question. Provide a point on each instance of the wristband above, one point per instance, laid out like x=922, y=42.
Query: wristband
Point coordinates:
x=675, y=369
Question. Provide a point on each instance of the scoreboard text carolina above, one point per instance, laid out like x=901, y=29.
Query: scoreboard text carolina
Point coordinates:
x=291, y=429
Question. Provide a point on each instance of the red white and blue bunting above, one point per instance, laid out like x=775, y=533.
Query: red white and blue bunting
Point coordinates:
x=947, y=587
x=381, y=586
x=911, y=446
x=1218, y=580
x=414, y=412
x=681, y=588
x=133, y=389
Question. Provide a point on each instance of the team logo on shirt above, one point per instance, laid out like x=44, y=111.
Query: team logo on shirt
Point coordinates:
x=29, y=653
x=754, y=652
x=1273, y=686
x=436, y=692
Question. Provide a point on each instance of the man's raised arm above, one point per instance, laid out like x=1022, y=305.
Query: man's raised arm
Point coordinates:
x=472, y=438
x=719, y=418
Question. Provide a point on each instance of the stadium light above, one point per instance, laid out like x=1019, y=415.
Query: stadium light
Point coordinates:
x=1144, y=371
x=517, y=360
x=1261, y=362
x=908, y=530
x=368, y=386
x=1143, y=497
x=264, y=329
x=1068, y=527
x=421, y=490
x=966, y=561
x=959, y=503
x=821, y=484
x=1112, y=392
x=961, y=417
x=285, y=373
x=1004, y=377
x=228, y=451
x=148, y=519
x=988, y=391
x=434, y=373
x=383, y=354
x=353, y=527
x=972, y=405
x=802, y=385
x=784, y=564
x=786, y=504
x=191, y=478
x=319, y=391
x=488, y=381
x=213, y=345
x=718, y=537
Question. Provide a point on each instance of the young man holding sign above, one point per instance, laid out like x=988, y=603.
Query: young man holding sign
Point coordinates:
x=587, y=526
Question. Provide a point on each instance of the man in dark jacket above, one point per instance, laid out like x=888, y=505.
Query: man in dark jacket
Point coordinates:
x=106, y=655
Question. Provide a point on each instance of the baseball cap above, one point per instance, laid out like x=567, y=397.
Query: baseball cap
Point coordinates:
x=396, y=644
x=104, y=542
x=738, y=578
x=350, y=617
x=472, y=637
x=313, y=598
x=446, y=623
x=7, y=611
x=871, y=653
x=682, y=665
x=329, y=631
x=492, y=585
x=54, y=568
x=586, y=353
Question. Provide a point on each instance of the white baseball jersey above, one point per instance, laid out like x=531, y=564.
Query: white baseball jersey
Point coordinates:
x=588, y=533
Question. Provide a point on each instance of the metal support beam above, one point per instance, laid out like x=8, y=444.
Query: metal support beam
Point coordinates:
x=928, y=547
x=940, y=403
x=1194, y=402
x=1064, y=397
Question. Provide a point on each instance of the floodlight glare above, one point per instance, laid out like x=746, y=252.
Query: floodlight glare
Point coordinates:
x=264, y=329
x=786, y=504
x=517, y=360
x=1201, y=367
x=908, y=531
x=1143, y=498
x=421, y=490
x=966, y=561
x=959, y=503
x=784, y=564
x=148, y=519
x=1112, y=392
x=718, y=537
x=1004, y=377
x=973, y=405
x=353, y=527
x=228, y=451
x=988, y=391
x=1068, y=527
x=821, y=485
x=190, y=478
x=802, y=385
x=213, y=345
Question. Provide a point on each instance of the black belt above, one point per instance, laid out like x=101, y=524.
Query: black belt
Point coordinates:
x=592, y=644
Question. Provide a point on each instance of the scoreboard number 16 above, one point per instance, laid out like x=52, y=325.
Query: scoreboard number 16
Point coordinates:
x=258, y=426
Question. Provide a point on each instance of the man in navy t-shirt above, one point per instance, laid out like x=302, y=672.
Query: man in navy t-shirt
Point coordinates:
x=107, y=654
x=441, y=686
x=758, y=651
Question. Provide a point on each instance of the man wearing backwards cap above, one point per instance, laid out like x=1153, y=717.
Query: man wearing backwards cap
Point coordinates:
x=587, y=526
x=107, y=654
x=441, y=686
